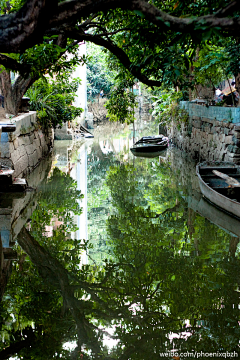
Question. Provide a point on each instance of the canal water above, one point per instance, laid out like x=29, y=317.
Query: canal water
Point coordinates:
x=109, y=256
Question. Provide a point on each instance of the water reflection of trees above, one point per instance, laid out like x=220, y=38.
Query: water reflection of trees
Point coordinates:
x=173, y=274
x=181, y=264
x=99, y=202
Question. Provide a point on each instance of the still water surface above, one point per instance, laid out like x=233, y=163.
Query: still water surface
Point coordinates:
x=116, y=257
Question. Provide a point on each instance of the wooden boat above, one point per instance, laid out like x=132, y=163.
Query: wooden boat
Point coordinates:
x=219, y=183
x=83, y=132
x=150, y=147
x=151, y=154
x=150, y=139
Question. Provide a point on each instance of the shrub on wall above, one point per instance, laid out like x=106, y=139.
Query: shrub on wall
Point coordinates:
x=52, y=100
x=166, y=108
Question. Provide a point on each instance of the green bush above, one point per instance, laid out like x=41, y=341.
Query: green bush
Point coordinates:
x=121, y=103
x=166, y=108
x=52, y=100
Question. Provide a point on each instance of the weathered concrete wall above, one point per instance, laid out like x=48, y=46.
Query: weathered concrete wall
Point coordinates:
x=24, y=148
x=219, y=113
x=208, y=139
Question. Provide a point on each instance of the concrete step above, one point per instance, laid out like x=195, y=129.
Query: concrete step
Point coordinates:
x=6, y=177
x=19, y=185
x=8, y=127
x=16, y=185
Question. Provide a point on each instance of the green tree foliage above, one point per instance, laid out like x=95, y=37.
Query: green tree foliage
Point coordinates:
x=121, y=103
x=52, y=99
x=171, y=273
x=35, y=302
x=48, y=58
x=212, y=65
x=99, y=76
x=155, y=42
x=166, y=108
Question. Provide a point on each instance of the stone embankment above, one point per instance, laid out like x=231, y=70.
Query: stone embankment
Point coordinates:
x=208, y=135
x=15, y=209
x=23, y=149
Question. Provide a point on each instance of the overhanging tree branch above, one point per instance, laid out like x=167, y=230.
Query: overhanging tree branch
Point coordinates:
x=115, y=50
x=21, y=30
x=26, y=28
x=13, y=64
x=16, y=347
x=229, y=9
x=72, y=10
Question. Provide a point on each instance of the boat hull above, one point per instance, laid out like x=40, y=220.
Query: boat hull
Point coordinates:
x=149, y=154
x=150, y=147
x=224, y=202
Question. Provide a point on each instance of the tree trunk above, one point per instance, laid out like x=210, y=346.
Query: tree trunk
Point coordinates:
x=6, y=91
x=233, y=246
x=54, y=274
x=13, y=93
x=237, y=86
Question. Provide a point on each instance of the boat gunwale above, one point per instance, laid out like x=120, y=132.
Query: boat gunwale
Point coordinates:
x=210, y=188
x=154, y=147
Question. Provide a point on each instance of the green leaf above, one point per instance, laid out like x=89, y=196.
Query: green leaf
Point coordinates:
x=139, y=13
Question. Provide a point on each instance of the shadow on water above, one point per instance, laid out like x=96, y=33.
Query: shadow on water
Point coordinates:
x=162, y=269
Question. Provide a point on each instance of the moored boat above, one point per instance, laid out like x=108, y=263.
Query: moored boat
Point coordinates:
x=219, y=183
x=83, y=132
x=150, y=146
x=150, y=139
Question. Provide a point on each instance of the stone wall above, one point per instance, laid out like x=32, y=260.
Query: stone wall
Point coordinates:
x=15, y=210
x=207, y=138
x=24, y=148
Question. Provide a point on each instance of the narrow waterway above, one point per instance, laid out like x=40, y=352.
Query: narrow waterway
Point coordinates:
x=110, y=256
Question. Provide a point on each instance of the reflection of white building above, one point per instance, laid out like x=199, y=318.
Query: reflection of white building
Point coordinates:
x=81, y=72
x=122, y=144
x=81, y=177
x=105, y=146
x=116, y=146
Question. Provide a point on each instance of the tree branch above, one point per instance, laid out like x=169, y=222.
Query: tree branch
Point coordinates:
x=118, y=52
x=16, y=347
x=13, y=64
x=112, y=32
x=72, y=10
x=23, y=29
x=229, y=9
